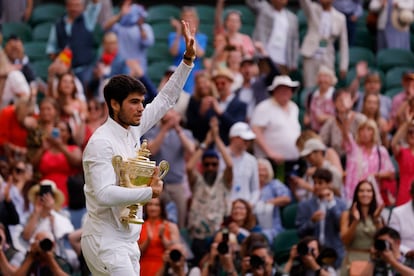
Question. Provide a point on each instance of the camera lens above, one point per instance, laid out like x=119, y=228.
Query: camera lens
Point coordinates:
x=46, y=245
x=381, y=245
x=302, y=249
x=175, y=255
x=223, y=248
x=256, y=262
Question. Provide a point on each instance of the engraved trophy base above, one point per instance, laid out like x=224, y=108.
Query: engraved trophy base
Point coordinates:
x=134, y=216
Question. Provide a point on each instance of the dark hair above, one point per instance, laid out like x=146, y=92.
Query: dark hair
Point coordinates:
x=338, y=93
x=412, y=188
x=60, y=77
x=372, y=204
x=377, y=113
x=119, y=88
x=251, y=241
x=71, y=139
x=386, y=230
x=163, y=209
x=323, y=174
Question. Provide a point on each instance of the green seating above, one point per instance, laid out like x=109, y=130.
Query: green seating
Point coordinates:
x=207, y=29
x=21, y=29
x=282, y=244
x=46, y=13
x=40, y=68
x=303, y=23
x=162, y=31
x=248, y=17
x=162, y=13
x=393, y=78
x=363, y=38
x=35, y=50
x=389, y=58
x=357, y=54
x=390, y=93
x=156, y=71
x=42, y=31
x=158, y=52
x=247, y=29
x=206, y=14
x=289, y=216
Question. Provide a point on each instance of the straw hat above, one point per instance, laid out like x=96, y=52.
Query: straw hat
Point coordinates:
x=223, y=72
x=401, y=19
x=57, y=194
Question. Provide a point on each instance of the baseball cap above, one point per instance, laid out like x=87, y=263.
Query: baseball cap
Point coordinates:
x=242, y=130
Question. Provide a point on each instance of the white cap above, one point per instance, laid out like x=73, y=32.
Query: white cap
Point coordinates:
x=242, y=130
x=312, y=145
x=283, y=80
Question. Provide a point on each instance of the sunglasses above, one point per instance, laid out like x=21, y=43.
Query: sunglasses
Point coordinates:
x=210, y=164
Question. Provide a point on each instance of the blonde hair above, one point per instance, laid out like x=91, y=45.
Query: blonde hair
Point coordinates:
x=371, y=124
x=268, y=166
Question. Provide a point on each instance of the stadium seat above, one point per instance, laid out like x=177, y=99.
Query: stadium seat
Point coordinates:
x=357, y=54
x=282, y=244
x=41, y=32
x=207, y=29
x=303, y=23
x=46, y=13
x=206, y=14
x=162, y=31
x=40, y=68
x=393, y=91
x=394, y=76
x=162, y=13
x=289, y=216
x=389, y=58
x=363, y=38
x=158, y=52
x=156, y=71
x=21, y=29
x=35, y=50
x=248, y=17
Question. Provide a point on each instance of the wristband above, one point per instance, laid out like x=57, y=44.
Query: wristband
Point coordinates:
x=185, y=57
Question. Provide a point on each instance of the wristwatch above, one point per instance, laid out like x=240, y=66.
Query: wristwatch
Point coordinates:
x=185, y=57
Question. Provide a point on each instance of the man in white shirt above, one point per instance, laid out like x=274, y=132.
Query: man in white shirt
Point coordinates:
x=402, y=220
x=108, y=245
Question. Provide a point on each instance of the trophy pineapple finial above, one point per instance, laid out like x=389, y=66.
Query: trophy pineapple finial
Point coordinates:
x=143, y=150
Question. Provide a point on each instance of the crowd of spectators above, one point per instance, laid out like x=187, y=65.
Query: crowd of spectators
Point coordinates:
x=277, y=120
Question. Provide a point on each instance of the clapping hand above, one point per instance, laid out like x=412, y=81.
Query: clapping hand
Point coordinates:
x=354, y=212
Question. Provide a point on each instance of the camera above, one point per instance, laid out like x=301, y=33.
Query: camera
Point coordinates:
x=175, y=255
x=256, y=262
x=382, y=245
x=295, y=171
x=223, y=246
x=303, y=249
x=45, y=189
x=46, y=245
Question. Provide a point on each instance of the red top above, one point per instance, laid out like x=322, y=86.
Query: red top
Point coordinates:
x=151, y=260
x=11, y=131
x=55, y=167
x=405, y=161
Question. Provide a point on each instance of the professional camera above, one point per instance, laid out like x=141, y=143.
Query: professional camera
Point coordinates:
x=223, y=246
x=175, y=255
x=382, y=245
x=303, y=249
x=256, y=262
x=46, y=245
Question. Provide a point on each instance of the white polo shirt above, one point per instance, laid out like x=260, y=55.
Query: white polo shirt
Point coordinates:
x=281, y=128
x=105, y=200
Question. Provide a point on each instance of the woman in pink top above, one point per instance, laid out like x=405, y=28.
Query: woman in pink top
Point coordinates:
x=231, y=26
x=365, y=158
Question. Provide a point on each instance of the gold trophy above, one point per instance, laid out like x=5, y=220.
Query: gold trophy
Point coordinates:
x=137, y=173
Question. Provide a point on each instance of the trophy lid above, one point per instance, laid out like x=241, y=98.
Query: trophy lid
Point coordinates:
x=142, y=158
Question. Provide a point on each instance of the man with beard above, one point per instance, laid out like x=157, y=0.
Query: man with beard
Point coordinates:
x=109, y=245
x=210, y=201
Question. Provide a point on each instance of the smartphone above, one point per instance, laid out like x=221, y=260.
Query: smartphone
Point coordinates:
x=45, y=189
x=55, y=132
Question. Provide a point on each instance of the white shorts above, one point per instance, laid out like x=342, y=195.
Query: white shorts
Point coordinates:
x=106, y=256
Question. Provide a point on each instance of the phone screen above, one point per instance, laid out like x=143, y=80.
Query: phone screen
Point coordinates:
x=44, y=189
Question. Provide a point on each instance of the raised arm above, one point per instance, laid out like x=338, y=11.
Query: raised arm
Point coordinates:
x=228, y=171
